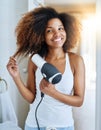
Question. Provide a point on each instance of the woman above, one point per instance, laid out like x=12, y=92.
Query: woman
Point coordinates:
x=52, y=35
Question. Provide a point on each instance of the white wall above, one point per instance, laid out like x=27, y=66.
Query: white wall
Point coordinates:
x=98, y=67
x=70, y=1
x=10, y=12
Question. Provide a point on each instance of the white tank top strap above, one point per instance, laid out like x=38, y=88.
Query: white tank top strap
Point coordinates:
x=68, y=66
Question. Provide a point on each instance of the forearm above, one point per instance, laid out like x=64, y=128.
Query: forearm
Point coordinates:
x=72, y=100
x=24, y=91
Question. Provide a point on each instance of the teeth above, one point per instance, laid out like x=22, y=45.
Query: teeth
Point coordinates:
x=57, y=39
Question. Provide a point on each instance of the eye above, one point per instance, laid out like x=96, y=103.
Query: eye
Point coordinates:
x=61, y=28
x=49, y=31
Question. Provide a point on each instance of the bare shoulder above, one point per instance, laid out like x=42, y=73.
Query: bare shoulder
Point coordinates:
x=76, y=61
x=75, y=57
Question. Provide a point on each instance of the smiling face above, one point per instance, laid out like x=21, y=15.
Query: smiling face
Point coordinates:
x=55, y=34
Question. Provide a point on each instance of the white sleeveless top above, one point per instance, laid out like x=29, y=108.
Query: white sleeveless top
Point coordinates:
x=51, y=112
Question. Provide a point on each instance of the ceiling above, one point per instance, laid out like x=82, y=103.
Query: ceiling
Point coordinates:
x=73, y=6
x=70, y=1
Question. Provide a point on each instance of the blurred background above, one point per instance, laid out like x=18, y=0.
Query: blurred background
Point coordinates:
x=89, y=48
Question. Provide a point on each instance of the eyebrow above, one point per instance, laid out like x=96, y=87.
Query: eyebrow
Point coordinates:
x=51, y=26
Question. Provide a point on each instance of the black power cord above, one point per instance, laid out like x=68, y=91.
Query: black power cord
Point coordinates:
x=42, y=95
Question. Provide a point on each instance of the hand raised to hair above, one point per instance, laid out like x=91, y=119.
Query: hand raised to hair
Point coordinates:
x=12, y=67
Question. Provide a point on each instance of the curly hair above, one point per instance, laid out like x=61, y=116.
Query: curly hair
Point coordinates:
x=30, y=31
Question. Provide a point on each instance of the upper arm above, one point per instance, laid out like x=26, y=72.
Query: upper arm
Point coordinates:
x=79, y=77
x=78, y=67
x=31, y=76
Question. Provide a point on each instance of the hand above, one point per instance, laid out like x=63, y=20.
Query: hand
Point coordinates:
x=12, y=67
x=47, y=87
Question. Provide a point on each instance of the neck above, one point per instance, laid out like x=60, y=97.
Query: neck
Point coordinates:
x=55, y=54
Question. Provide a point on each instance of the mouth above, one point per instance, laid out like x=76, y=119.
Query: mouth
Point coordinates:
x=57, y=40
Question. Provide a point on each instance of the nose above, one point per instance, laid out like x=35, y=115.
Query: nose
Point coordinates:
x=56, y=33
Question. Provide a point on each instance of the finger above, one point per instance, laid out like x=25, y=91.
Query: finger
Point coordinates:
x=12, y=59
x=46, y=83
x=11, y=64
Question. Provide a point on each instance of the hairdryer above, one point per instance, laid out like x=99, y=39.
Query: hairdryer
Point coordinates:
x=49, y=72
